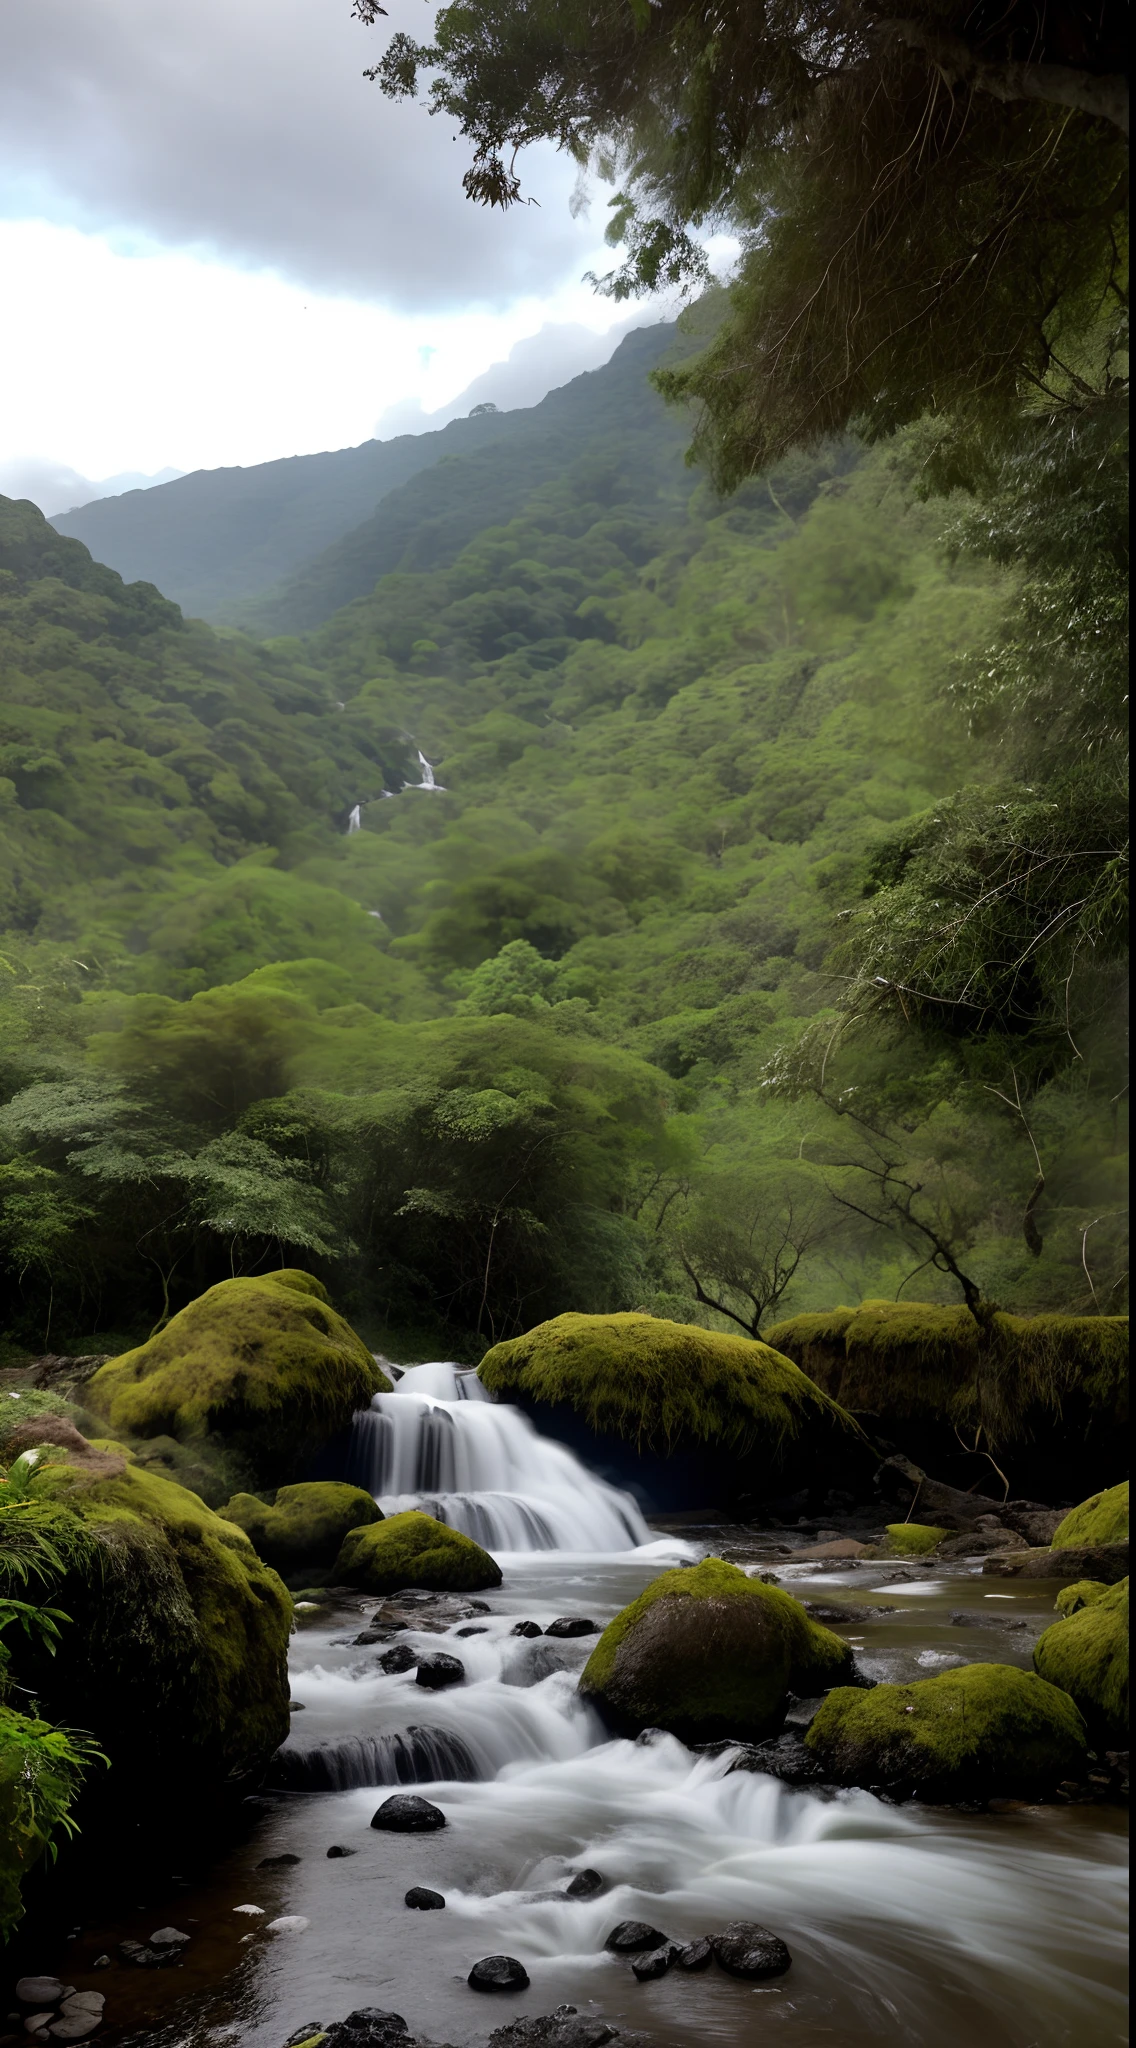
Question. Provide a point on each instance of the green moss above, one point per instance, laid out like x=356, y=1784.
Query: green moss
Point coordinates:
x=708, y=1653
x=1103, y=1518
x=658, y=1383
x=264, y=1364
x=176, y=1658
x=1085, y=1593
x=1086, y=1654
x=914, y=1361
x=27, y=1404
x=415, y=1550
x=913, y=1539
x=306, y=1523
x=965, y=1734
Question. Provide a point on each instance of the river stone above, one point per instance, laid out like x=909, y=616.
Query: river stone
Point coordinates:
x=571, y=1625
x=424, y=1901
x=746, y=1950
x=527, y=1628
x=633, y=1936
x=75, y=2028
x=368, y=2027
x=81, y=2001
x=340, y=1849
x=303, y=2033
x=498, y=1973
x=697, y=1955
x=39, y=1991
x=564, y=2028
x=585, y=1885
x=406, y=1814
x=657, y=1963
x=1107, y=1562
x=401, y=1658
x=37, y=2022
x=439, y=1670
x=172, y=1937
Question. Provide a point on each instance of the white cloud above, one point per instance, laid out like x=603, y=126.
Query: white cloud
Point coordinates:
x=154, y=358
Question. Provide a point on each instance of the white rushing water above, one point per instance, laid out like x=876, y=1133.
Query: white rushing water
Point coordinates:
x=440, y=1444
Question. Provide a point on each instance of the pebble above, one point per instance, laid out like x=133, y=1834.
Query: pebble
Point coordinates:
x=406, y=1814
x=527, y=1628
x=75, y=2028
x=39, y=1991
x=248, y=1909
x=340, y=1849
x=424, y=1901
x=572, y=1625
x=172, y=1937
x=288, y=1923
x=498, y=1973
x=585, y=1885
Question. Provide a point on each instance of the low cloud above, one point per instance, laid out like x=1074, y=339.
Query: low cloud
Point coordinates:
x=245, y=129
x=55, y=487
x=533, y=367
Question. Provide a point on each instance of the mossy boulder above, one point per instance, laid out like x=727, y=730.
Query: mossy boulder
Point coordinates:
x=710, y=1655
x=264, y=1368
x=1053, y=1388
x=1086, y=1654
x=1103, y=1518
x=914, y=1539
x=1085, y=1593
x=984, y=1729
x=175, y=1653
x=641, y=1388
x=306, y=1524
x=414, y=1550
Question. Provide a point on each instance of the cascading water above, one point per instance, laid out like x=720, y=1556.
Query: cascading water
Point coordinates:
x=440, y=1444
x=427, y=781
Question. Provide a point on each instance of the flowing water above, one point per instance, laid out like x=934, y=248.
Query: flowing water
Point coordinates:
x=906, y=1924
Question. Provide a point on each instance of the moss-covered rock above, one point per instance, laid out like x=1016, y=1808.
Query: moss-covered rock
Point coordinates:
x=966, y=1734
x=1085, y=1593
x=1103, y=1518
x=923, y=1370
x=1086, y=1654
x=414, y=1550
x=913, y=1539
x=263, y=1366
x=667, y=1388
x=709, y=1654
x=306, y=1524
x=175, y=1654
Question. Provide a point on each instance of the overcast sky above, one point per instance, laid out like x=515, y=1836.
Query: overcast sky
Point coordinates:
x=221, y=244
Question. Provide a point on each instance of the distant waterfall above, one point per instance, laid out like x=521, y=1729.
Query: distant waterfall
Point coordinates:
x=427, y=781
x=355, y=821
x=439, y=1443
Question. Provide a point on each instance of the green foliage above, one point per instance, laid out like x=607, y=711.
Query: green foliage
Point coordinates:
x=1103, y=1518
x=1086, y=1654
x=305, y=1524
x=709, y=1654
x=966, y=1734
x=42, y=1769
x=265, y=1364
x=413, y=1549
x=660, y=1383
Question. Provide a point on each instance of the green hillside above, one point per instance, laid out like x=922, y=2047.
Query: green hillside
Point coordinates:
x=564, y=1032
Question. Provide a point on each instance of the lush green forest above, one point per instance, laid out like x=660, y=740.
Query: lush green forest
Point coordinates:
x=664, y=996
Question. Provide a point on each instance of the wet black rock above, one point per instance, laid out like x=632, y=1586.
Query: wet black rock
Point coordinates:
x=572, y=1625
x=657, y=1962
x=143, y=1956
x=633, y=1936
x=475, y=1629
x=401, y=1658
x=406, y=1814
x=277, y=1862
x=585, y=1884
x=564, y=2028
x=783, y=1757
x=437, y=1670
x=747, y=1950
x=369, y=1635
x=340, y=1849
x=369, y=2027
x=424, y=1901
x=697, y=1955
x=498, y=1973
x=526, y=1628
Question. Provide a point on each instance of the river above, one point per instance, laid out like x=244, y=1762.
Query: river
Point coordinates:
x=906, y=1924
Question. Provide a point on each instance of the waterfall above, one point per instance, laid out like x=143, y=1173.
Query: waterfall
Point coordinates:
x=439, y=1443
x=355, y=821
x=427, y=781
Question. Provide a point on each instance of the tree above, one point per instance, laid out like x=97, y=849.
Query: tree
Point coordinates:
x=744, y=1243
x=932, y=207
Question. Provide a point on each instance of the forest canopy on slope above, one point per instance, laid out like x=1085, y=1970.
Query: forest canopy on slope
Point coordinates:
x=665, y=997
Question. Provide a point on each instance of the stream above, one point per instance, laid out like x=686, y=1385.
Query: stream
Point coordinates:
x=907, y=1924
